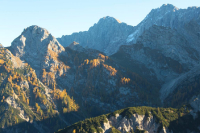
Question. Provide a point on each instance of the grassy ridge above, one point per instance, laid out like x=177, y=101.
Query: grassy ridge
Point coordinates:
x=164, y=116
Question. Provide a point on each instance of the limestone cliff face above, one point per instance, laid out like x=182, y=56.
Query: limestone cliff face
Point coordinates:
x=125, y=125
x=106, y=36
x=136, y=123
x=17, y=63
x=40, y=49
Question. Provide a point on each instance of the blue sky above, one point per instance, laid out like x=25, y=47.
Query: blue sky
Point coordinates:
x=63, y=17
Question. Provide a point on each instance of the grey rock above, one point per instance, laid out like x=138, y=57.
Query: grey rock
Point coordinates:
x=168, y=16
x=109, y=34
x=37, y=47
x=106, y=36
x=75, y=46
x=167, y=53
x=125, y=125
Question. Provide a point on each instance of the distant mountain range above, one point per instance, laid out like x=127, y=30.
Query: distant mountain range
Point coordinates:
x=106, y=36
x=109, y=33
x=49, y=83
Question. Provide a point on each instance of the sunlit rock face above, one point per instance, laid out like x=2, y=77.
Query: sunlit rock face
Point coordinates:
x=34, y=44
x=37, y=47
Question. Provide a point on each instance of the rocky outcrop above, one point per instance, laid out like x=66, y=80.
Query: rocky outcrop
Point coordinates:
x=75, y=46
x=140, y=122
x=106, y=36
x=17, y=63
x=12, y=102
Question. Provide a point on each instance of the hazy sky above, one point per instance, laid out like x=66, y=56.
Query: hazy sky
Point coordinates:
x=63, y=17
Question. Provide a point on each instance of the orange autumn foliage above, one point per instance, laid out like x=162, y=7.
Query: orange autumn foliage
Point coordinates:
x=1, y=61
x=112, y=70
x=125, y=80
x=95, y=62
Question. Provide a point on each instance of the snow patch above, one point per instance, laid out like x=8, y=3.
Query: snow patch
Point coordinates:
x=132, y=36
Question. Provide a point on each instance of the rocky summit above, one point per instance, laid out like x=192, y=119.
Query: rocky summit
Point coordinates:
x=37, y=47
x=36, y=44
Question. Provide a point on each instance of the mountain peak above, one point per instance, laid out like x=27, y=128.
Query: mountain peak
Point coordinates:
x=33, y=40
x=169, y=7
x=34, y=27
x=109, y=19
x=35, y=30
